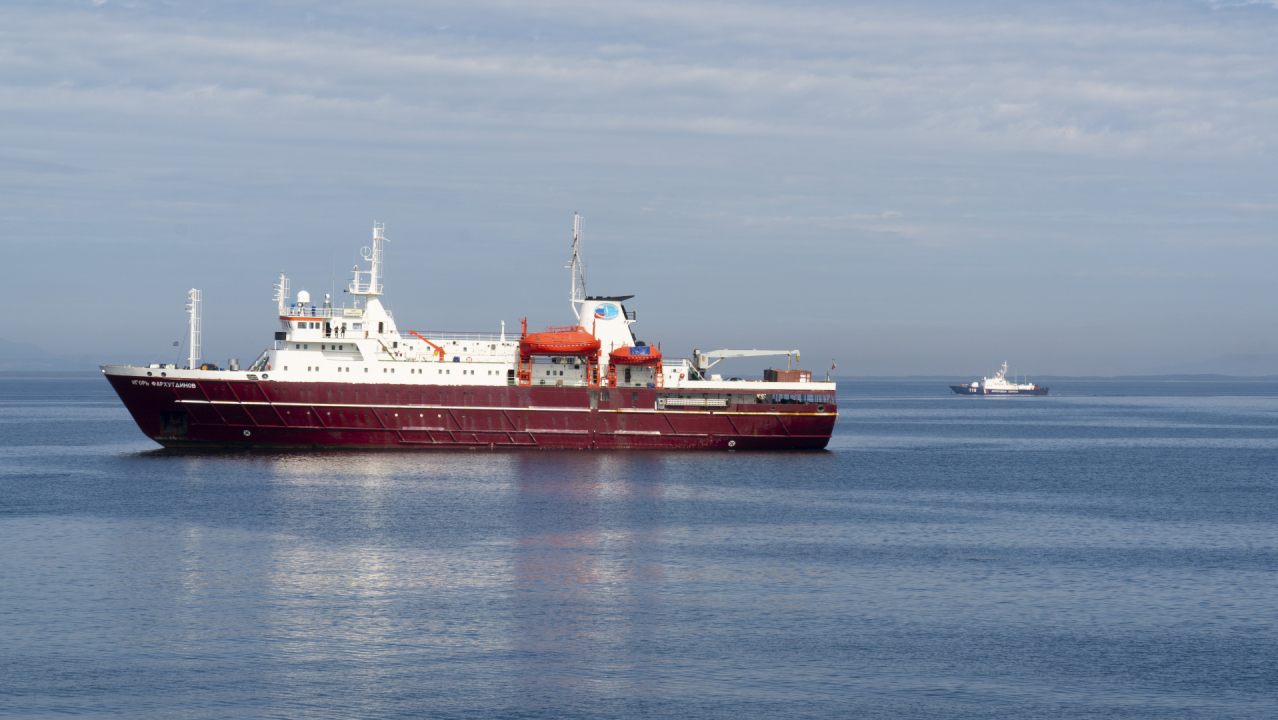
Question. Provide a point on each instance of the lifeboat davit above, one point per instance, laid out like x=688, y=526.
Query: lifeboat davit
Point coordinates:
x=645, y=355
x=572, y=340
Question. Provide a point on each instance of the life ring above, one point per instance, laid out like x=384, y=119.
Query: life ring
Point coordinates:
x=680, y=376
x=468, y=360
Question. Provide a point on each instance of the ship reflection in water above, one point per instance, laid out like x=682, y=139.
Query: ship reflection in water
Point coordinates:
x=587, y=576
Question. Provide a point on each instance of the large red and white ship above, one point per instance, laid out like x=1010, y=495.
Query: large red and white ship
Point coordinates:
x=349, y=377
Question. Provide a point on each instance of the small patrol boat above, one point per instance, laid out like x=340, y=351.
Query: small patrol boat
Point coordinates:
x=998, y=385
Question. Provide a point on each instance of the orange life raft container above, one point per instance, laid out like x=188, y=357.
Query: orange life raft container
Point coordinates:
x=572, y=340
x=645, y=355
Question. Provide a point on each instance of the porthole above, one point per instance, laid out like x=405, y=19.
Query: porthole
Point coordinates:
x=820, y=408
x=148, y=374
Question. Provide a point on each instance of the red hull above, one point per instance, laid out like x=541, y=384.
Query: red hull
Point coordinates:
x=241, y=413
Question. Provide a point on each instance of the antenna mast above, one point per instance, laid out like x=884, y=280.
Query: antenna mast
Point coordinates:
x=193, y=307
x=578, y=268
x=281, y=291
x=373, y=256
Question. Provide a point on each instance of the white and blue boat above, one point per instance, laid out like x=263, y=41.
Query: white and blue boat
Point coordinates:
x=998, y=385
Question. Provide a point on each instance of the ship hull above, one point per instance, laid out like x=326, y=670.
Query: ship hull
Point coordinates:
x=216, y=413
x=968, y=390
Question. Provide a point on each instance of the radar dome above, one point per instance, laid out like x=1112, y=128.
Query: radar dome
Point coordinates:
x=303, y=297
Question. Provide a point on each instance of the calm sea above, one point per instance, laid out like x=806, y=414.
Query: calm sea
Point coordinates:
x=1107, y=551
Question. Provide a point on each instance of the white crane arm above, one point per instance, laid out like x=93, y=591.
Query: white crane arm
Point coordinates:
x=702, y=360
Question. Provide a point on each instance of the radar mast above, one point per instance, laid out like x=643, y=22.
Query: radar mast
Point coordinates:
x=373, y=256
x=578, y=294
x=193, y=301
x=281, y=291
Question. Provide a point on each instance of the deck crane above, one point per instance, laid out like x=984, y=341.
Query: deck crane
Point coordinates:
x=702, y=360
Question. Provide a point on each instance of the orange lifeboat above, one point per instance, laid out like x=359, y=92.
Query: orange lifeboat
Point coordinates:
x=572, y=340
x=635, y=356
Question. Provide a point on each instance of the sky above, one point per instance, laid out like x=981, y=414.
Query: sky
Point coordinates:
x=907, y=187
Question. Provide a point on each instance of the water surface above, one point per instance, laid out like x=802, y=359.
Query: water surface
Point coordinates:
x=1106, y=551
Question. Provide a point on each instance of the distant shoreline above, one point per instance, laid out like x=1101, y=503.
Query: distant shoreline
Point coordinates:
x=1046, y=379
x=1041, y=379
x=48, y=374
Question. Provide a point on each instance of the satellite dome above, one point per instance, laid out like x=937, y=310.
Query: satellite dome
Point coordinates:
x=303, y=297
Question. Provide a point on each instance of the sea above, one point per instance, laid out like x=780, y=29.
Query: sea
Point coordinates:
x=1107, y=551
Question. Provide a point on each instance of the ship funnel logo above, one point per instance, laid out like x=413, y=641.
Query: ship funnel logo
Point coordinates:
x=606, y=312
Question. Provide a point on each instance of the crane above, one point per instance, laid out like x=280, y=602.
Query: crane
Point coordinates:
x=702, y=362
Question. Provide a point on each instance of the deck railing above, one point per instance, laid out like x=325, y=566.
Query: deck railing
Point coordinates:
x=322, y=312
x=443, y=336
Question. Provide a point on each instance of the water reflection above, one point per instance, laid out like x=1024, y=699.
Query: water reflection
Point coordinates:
x=587, y=576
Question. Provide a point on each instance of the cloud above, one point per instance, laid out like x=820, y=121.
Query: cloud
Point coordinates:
x=920, y=160
x=1062, y=83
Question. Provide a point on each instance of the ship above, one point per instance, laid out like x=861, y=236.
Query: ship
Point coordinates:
x=349, y=377
x=998, y=385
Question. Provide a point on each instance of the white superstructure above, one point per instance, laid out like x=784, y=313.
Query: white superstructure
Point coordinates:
x=363, y=343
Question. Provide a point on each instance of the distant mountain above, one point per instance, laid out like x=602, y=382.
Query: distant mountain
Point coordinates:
x=25, y=357
x=1238, y=365
x=21, y=356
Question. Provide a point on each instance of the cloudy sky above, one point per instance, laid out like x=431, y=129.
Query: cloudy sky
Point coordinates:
x=928, y=187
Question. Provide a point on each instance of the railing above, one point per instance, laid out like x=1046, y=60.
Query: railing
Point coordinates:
x=322, y=312
x=450, y=336
x=696, y=402
x=675, y=362
x=561, y=382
